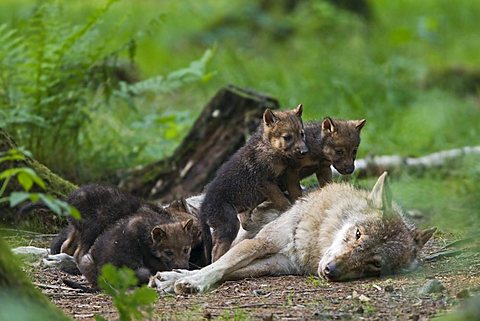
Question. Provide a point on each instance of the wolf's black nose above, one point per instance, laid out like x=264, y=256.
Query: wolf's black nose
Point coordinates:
x=330, y=271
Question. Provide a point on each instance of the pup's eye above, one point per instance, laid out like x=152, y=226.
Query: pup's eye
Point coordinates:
x=358, y=234
x=287, y=137
x=302, y=134
x=168, y=252
x=376, y=264
x=186, y=250
x=339, y=152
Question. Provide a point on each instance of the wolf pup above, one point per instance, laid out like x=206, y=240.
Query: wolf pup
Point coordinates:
x=338, y=232
x=250, y=176
x=330, y=142
x=142, y=242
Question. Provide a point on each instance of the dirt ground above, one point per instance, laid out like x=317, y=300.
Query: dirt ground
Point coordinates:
x=295, y=297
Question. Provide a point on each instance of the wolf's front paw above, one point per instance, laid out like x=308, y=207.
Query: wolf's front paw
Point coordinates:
x=186, y=286
x=165, y=281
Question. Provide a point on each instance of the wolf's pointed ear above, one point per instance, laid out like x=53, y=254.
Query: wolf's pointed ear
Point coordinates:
x=187, y=225
x=185, y=206
x=299, y=110
x=381, y=197
x=269, y=117
x=328, y=125
x=158, y=233
x=359, y=124
x=422, y=236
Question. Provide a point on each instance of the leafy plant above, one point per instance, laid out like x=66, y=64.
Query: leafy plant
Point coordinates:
x=55, y=76
x=27, y=178
x=131, y=303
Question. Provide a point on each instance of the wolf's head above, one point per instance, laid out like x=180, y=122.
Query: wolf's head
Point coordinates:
x=171, y=244
x=376, y=244
x=340, y=142
x=284, y=131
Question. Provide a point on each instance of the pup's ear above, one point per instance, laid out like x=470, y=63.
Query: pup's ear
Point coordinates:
x=299, y=110
x=158, y=233
x=269, y=117
x=328, y=125
x=422, y=236
x=381, y=197
x=359, y=124
x=187, y=225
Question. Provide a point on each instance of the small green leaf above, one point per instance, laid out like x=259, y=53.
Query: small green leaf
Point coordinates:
x=52, y=205
x=25, y=180
x=16, y=198
x=144, y=296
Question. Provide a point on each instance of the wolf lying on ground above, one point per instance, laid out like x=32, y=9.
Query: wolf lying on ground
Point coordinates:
x=338, y=232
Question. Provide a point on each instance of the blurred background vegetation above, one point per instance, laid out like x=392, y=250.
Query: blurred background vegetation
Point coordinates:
x=80, y=84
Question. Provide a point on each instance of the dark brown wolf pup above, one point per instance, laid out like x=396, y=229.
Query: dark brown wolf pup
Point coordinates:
x=250, y=177
x=330, y=142
x=142, y=242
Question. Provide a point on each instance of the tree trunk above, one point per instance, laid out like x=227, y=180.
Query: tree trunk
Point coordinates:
x=55, y=185
x=222, y=127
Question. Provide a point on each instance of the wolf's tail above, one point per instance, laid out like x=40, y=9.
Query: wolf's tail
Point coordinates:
x=76, y=285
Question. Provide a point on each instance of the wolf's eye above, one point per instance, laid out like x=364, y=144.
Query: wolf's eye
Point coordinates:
x=339, y=152
x=186, y=250
x=287, y=137
x=302, y=134
x=168, y=252
x=358, y=234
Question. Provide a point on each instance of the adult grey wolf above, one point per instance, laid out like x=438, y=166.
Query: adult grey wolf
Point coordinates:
x=338, y=232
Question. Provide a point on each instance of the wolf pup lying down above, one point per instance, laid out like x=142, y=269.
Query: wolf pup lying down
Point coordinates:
x=142, y=242
x=250, y=177
x=121, y=229
x=338, y=232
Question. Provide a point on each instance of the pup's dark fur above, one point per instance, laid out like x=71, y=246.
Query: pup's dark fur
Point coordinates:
x=142, y=242
x=250, y=177
x=330, y=142
x=102, y=207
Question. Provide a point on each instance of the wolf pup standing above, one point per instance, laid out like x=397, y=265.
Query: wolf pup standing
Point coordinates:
x=330, y=142
x=338, y=232
x=249, y=177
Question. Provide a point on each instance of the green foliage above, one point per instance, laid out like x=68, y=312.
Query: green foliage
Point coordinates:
x=316, y=281
x=27, y=178
x=55, y=76
x=131, y=303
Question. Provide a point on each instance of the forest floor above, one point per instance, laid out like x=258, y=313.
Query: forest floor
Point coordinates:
x=293, y=297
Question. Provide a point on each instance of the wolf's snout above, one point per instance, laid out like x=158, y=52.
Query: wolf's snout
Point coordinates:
x=345, y=170
x=330, y=271
x=302, y=151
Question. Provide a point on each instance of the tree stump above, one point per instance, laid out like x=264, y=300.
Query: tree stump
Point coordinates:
x=223, y=127
x=55, y=185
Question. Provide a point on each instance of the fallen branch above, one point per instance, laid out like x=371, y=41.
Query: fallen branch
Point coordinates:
x=375, y=165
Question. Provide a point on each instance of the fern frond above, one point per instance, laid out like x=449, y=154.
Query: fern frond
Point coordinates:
x=161, y=85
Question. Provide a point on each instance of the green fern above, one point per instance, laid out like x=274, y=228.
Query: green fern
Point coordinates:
x=54, y=76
